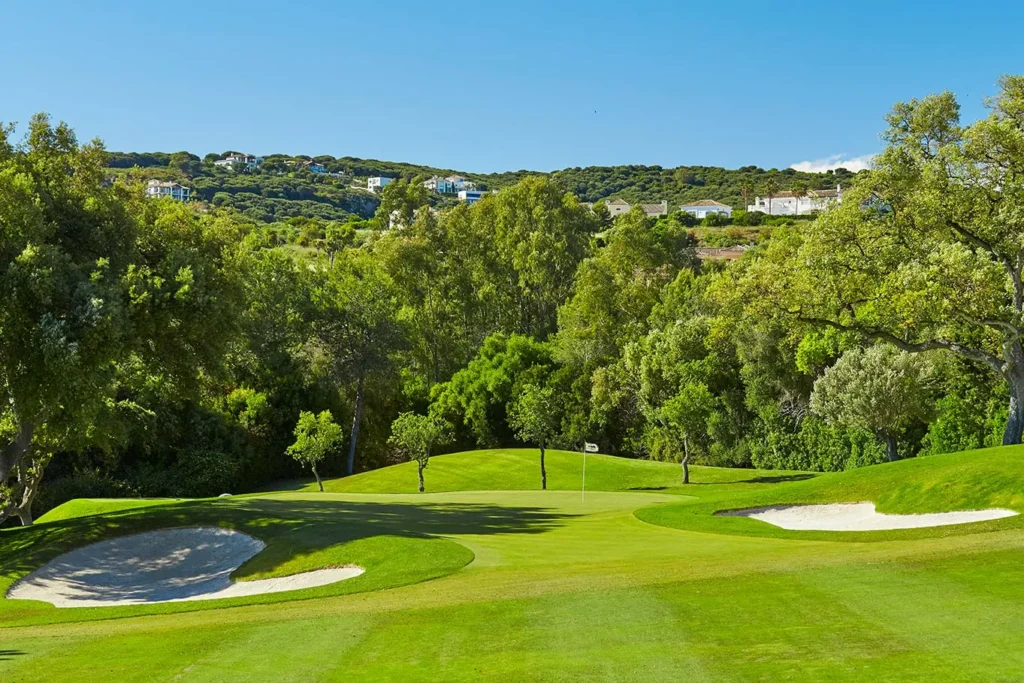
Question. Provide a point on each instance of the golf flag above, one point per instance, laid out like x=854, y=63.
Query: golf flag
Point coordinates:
x=590, y=447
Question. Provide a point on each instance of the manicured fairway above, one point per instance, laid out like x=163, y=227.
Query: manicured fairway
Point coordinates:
x=528, y=585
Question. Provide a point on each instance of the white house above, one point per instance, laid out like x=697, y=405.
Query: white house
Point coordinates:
x=789, y=204
x=617, y=207
x=460, y=183
x=441, y=185
x=473, y=196
x=377, y=182
x=167, y=188
x=236, y=161
x=702, y=208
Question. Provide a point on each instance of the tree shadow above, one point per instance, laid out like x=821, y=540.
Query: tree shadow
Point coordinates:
x=288, y=527
x=7, y=655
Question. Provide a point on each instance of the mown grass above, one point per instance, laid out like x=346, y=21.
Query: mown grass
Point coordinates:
x=561, y=589
x=518, y=469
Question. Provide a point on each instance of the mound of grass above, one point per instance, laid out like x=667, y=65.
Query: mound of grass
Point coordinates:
x=971, y=480
x=84, y=507
x=518, y=469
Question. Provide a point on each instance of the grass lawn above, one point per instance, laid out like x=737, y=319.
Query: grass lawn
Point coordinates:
x=486, y=578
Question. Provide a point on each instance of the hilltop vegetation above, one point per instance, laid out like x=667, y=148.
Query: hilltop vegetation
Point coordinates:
x=281, y=189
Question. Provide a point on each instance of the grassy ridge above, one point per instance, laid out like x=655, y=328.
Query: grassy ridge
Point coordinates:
x=972, y=480
x=518, y=469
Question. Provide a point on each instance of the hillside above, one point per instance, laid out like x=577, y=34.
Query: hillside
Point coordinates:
x=512, y=469
x=280, y=189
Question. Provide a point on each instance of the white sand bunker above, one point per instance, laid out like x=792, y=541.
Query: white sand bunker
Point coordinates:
x=859, y=517
x=160, y=566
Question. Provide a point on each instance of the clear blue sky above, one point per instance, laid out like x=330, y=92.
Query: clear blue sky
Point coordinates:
x=490, y=86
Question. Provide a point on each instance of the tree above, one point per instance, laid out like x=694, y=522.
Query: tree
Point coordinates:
x=355, y=320
x=534, y=416
x=415, y=435
x=799, y=191
x=770, y=188
x=881, y=389
x=316, y=436
x=746, y=189
x=685, y=415
x=925, y=251
x=99, y=286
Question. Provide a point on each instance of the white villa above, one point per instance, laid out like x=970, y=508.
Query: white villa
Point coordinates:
x=377, y=182
x=236, y=161
x=702, y=208
x=167, y=188
x=617, y=207
x=450, y=185
x=473, y=196
x=314, y=167
x=789, y=204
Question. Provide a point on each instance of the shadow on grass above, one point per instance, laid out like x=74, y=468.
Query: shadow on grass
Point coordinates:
x=7, y=655
x=289, y=527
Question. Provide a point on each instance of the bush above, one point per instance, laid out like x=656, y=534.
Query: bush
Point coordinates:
x=747, y=218
x=715, y=220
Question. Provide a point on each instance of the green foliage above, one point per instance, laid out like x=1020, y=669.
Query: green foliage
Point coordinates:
x=316, y=437
x=416, y=435
x=880, y=389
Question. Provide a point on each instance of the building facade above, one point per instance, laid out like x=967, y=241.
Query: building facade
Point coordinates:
x=791, y=204
x=237, y=161
x=377, y=182
x=165, y=188
x=702, y=208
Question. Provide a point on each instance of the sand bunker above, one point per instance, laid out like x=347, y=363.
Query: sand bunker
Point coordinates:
x=859, y=517
x=160, y=566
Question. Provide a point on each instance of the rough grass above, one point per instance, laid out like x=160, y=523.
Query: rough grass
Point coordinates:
x=560, y=589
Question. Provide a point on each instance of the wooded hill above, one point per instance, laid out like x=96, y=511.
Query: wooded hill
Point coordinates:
x=281, y=189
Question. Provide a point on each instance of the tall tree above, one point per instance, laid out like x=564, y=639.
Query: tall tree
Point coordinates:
x=356, y=322
x=98, y=283
x=925, y=252
x=770, y=188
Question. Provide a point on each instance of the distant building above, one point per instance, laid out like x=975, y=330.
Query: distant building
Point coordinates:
x=702, y=208
x=473, y=196
x=652, y=210
x=617, y=207
x=441, y=185
x=314, y=167
x=450, y=185
x=167, y=188
x=377, y=182
x=237, y=161
x=789, y=204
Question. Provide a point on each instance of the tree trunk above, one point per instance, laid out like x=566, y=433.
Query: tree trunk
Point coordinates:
x=543, y=472
x=891, y=452
x=1015, y=419
x=16, y=450
x=318, y=482
x=420, y=466
x=686, y=459
x=25, y=514
x=357, y=415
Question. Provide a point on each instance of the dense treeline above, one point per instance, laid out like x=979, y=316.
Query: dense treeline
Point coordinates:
x=151, y=348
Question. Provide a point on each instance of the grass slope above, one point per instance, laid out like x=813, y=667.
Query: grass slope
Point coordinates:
x=518, y=469
x=560, y=589
x=973, y=480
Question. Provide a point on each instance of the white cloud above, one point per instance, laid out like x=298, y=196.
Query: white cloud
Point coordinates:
x=833, y=162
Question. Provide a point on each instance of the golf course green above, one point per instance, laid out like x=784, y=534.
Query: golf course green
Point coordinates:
x=485, y=577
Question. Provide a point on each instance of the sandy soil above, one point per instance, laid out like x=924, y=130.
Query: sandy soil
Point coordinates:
x=170, y=565
x=859, y=517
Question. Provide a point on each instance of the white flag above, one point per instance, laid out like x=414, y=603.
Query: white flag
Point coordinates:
x=590, y=447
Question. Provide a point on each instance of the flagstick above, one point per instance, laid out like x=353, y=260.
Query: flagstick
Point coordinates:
x=583, y=492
